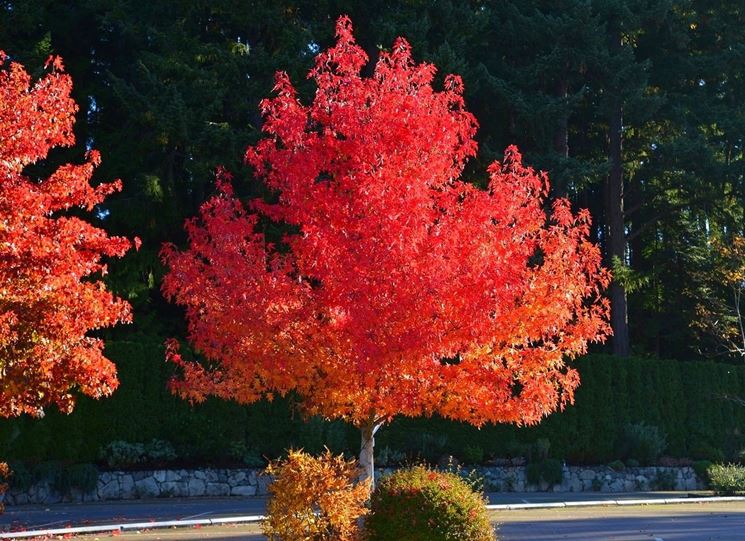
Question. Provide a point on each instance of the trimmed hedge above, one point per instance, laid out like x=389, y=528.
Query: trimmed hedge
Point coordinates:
x=682, y=399
x=143, y=410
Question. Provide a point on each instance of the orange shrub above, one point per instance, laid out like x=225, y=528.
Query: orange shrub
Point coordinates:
x=4, y=474
x=315, y=499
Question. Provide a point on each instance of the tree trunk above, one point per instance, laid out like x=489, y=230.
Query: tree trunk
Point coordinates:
x=561, y=136
x=616, y=242
x=367, y=450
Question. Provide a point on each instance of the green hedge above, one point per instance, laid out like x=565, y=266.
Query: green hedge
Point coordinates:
x=683, y=399
x=142, y=409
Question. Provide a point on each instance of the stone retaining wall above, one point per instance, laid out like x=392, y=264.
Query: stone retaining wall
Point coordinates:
x=125, y=485
x=601, y=478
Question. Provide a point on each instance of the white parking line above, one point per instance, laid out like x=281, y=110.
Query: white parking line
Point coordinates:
x=198, y=515
x=51, y=523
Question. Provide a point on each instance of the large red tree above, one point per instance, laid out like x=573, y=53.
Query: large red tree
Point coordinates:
x=51, y=295
x=401, y=290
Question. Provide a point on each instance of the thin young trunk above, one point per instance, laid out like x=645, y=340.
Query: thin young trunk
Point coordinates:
x=367, y=450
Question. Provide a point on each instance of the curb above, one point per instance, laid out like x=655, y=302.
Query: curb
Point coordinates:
x=245, y=519
x=595, y=503
x=130, y=526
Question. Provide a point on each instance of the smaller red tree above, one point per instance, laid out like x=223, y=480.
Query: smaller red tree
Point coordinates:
x=403, y=290
x=51, y=295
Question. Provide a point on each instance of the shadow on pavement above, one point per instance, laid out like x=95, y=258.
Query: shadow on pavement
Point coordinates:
x=641, y=526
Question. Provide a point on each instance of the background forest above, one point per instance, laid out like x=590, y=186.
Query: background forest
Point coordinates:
x=633, y=107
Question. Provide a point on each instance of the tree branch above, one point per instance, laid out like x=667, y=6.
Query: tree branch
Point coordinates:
x=665, y=212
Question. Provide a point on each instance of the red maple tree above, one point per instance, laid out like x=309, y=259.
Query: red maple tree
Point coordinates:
x=51, y=295
x=401, y=290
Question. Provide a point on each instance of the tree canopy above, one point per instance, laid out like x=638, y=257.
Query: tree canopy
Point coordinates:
x=400, y=289
x=51, y=294
x=169, y=90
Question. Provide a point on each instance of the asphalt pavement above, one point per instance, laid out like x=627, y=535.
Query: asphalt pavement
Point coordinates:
x=87, y=514
x=689, y=522
x=35, y=517
x=60, y=515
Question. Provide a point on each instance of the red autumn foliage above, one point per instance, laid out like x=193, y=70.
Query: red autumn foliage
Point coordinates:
x=51, y=295
x=402, y=290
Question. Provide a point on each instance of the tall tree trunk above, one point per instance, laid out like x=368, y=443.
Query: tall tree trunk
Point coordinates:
x=367, y=449
x=616, y=242
x=561, y=136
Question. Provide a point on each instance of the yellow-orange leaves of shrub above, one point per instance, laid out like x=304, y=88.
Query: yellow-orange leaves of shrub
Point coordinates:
x=315, y=499
x=4, y=474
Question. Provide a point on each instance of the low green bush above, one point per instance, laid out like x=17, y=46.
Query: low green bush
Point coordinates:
x=123, y=454
x=471, y=477
x=642, y=442
x=420, y=504
x=617, y=465
x=159, y=451
x=533, y=473
x=538, y=450
x=664, y=480
x=252, y=459
x=62, y=478
x=83, y=477
x=248, y=456
x=552, y=471
x=430, y=447
x=390, y=457
x=473, y=454
x=51, y=471
x=704, y=451
x=21, y=477
x=701, y=467
x=516, y=449
x=549, y=471
x=673, y=462
x=727, y=478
